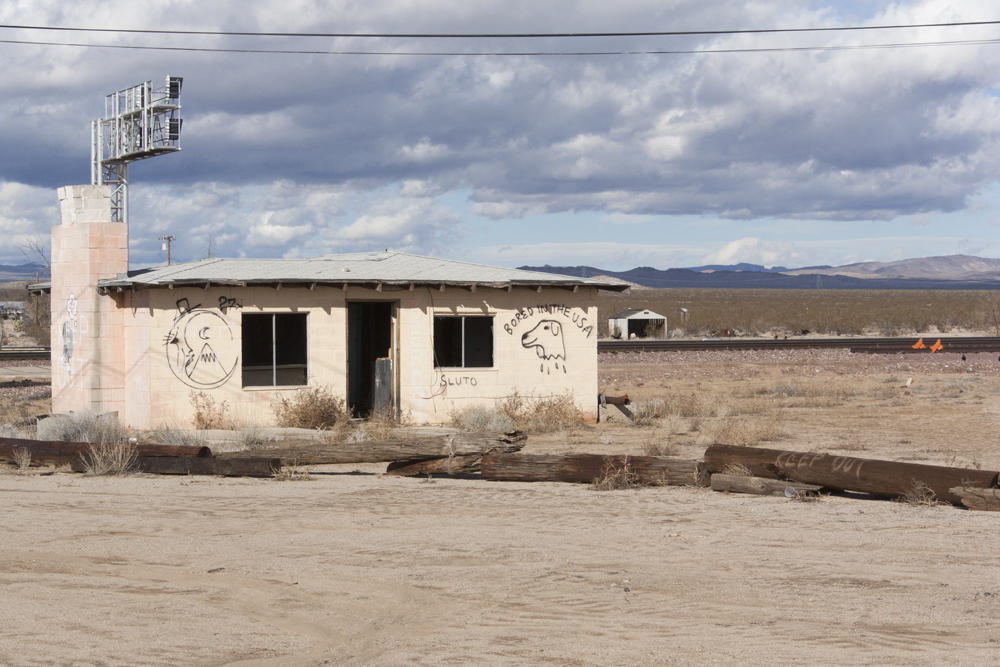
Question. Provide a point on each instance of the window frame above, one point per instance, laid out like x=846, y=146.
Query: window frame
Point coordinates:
x=274, y=366
x=462, y=317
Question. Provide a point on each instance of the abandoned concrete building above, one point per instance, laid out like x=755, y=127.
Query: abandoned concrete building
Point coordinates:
x=420, y=335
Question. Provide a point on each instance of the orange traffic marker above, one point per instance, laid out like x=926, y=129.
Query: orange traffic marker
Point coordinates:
x=937, y=347
x=920, y=345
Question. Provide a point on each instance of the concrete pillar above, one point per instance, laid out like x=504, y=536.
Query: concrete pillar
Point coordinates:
x=88, y=361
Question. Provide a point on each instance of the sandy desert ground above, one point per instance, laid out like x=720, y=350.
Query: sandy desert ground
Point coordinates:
x=356, y=568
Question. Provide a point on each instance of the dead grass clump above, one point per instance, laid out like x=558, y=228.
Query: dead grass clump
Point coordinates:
x=480, y=418
x=207, y=414
x=111, y=458
x=737, y=470
x=920, y=494
x=22, y=458
x=311, y=407
x=381, y=425
x=616, y=475
x=648, y=412
x=660, y=448
x=87, y=426
x=167, y=435
x=540, y=415
x=291, y=471
x=745, y=433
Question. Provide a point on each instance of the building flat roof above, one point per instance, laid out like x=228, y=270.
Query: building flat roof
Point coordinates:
x=368, y=268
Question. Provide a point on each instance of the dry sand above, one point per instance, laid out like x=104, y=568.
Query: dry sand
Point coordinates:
x=355, y=568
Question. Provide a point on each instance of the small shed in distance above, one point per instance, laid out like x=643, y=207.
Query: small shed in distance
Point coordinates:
x=637, y=323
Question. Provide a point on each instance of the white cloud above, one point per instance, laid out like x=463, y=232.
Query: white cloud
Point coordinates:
x=324, y=153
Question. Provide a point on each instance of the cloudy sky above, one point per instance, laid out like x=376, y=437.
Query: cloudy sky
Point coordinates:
x=792, y=157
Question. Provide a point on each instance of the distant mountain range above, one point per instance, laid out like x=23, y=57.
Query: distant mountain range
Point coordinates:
x=22, y=272
x=948, y=272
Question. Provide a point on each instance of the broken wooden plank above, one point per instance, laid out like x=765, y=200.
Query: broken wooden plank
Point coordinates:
x=846, y=473
x=57, y=452
x=165, y=465
x=983, y=500
x=585, y=468
x=415, y=448
x=760, y=486
x=458, y=465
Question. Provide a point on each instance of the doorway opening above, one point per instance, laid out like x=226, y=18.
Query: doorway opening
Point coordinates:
x=369, y=345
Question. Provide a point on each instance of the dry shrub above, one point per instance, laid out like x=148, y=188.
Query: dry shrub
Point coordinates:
x=111, y=458
x=746, y=432
x=292, y=472
x=616, y=475
x=920, y=494
x=8, y=430
x=87, y=426
x=17, y=411
x=479, y=418
x=380, y=426
x=540, y=415
x=22, y=458
x=673, y=425
x=249, y=432
x=310, y=407
x=340, y=432
x=167, y=435
x=207, y=414
x=648, y=412
x=660, y=448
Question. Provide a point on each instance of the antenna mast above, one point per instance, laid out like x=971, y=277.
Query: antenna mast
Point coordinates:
x=139, y=122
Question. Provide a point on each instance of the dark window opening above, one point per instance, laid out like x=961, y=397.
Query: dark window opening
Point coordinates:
x=463, y=342
x=275, y=349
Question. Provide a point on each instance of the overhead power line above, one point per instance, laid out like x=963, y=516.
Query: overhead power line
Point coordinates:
x=843, y=47
x=516, y=35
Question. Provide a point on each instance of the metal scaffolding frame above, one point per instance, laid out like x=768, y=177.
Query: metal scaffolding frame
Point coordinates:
x=139, y=122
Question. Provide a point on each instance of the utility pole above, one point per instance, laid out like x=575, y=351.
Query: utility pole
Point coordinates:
x=166, y=246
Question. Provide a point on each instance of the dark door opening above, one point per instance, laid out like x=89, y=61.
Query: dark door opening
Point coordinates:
x=369, y=337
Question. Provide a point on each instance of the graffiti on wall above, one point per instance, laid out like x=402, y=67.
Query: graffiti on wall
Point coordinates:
x=547, y=336
x=191, y=354
x=72, y=325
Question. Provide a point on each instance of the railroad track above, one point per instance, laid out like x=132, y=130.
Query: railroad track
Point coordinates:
x=957, y=345
x=18, y=353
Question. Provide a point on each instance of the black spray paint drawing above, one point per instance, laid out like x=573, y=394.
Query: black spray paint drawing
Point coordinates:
x=547, y=340
x=190, y=353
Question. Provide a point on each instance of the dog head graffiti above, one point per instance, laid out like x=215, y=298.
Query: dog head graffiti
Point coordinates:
x=546, y=338
x=190, y=352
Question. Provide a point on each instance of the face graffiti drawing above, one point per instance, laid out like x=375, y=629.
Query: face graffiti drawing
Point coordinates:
x=190, y=351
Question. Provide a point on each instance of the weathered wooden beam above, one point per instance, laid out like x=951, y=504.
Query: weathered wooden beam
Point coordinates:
x=760, y=486
x=984, y=500
x=413, y=446
x=457, y=465
x=166, y=465
x=846, y=473
x=585, y=468
x=54, y=451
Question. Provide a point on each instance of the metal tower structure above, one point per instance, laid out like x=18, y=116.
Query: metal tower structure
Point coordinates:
x=139, y=122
